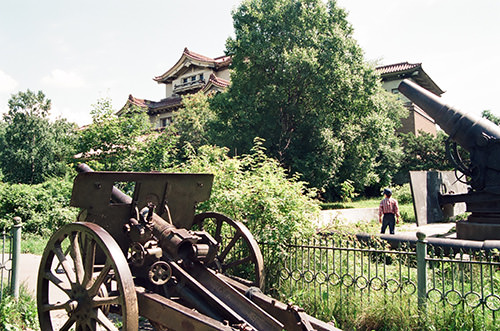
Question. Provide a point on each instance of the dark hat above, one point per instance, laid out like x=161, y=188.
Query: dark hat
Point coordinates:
x=387, y=191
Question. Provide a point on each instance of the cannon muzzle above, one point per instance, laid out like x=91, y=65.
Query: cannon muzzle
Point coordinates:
x=468, y=130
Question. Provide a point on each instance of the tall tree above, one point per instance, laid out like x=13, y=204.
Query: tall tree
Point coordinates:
x=31, y=147
x=300, y=82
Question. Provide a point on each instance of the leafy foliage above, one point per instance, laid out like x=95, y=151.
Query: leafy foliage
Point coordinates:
x=422, y=152
x=190, y=122
x=347, y=191
x=20, y=314
x=255, y=189
x=43, y=207
x=109, y=142
x=403, y=194
x=490, y=116
x=299, y=81
x=31, y=147
x=156, y=151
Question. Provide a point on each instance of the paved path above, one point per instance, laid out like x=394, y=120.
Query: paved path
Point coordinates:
x=29, y=271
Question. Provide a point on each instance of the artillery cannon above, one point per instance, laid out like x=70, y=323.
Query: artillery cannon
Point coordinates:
x=481, y=139
x=149, y=255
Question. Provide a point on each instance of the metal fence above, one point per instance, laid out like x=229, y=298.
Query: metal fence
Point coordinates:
x=10, y=246
x=321, y=273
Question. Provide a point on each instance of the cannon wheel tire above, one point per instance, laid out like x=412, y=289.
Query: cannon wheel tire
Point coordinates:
x=233, y=238
x=83, y=276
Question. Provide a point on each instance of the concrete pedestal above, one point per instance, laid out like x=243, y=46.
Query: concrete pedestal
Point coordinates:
x=477, y=231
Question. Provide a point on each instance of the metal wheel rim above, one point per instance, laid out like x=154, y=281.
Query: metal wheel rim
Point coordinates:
x=81, y=280
x=255, y=255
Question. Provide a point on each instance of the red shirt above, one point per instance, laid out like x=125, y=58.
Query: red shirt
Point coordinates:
x=388, y=205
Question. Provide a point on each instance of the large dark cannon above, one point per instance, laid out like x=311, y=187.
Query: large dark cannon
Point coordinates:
x=481, y=139
x=147, y=254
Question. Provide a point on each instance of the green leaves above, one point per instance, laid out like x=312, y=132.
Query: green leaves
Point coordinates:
x=254, y=188
x=42, y=207
x=28, y=104
x=300, y=82
x=31, y=147
x=422, y=152
x=109, y=143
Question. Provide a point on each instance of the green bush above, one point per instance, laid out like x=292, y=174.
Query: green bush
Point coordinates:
x=403, y=194
x=42, y=207
x=256, y=190
x=347, y=191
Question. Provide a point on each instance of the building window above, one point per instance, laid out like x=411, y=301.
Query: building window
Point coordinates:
x=166, y=121
x=185, y=80
x=201, y=76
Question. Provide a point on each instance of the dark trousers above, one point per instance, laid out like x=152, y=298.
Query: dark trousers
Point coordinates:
x=388, y=220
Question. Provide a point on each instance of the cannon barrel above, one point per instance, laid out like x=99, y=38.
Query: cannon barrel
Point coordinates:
x=479, y=136
x=468, y=130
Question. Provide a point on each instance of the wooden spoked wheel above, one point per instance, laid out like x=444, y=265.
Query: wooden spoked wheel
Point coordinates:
x=83, y=276
x=239, y=255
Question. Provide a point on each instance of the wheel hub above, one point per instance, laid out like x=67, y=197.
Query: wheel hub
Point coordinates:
x=80, y=306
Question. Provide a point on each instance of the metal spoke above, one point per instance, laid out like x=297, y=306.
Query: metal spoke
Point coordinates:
x=103, y=301
x=57, y=306
x=229, y=246
x=65, y=287
x=90, y=249
x=76, y=254
x=99, y=280
x=69, y=323
x=91, y=325
x=104, y=321
x=218, y=230
x=68, y=270
x=233, y=264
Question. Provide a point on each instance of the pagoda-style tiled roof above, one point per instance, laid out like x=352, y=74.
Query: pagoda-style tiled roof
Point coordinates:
x=398, y=67
x=414, y=71
x=217, y=82
x=216, y=64
x=152, y=107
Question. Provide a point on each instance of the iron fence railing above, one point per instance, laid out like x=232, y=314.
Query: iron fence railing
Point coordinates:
x=319, y=273
x=6, y=261
x=10, y=247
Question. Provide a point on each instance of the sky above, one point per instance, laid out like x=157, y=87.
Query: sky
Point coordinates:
x=79, y=52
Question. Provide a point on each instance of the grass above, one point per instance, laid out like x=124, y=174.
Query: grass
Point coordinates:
x=361, y=306
x=20, y=314
x=353, y=310
x=33, y=243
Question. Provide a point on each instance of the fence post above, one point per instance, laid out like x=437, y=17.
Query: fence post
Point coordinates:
x=16, y=256
x=421, y=270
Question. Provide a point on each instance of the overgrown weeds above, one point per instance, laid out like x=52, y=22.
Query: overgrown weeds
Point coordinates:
x=20, y=314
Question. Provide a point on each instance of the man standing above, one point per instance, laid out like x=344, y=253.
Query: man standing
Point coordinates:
x=389, y=210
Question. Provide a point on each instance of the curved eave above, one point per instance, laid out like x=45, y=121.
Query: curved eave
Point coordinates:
x=165, y=105
x=215, y=82
x=418, y=75
x=185, y=60
x=426, y=82
x=132, y=102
